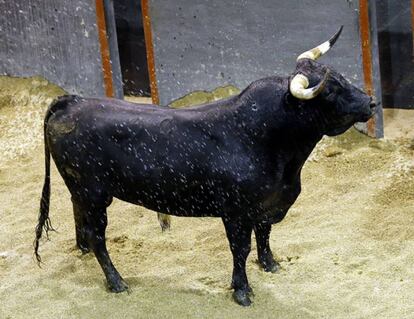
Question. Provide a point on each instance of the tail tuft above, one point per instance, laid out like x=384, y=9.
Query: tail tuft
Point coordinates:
x=165, y=221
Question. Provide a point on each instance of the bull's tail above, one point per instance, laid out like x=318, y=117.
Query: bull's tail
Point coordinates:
x=165, y=221
x=44, y=220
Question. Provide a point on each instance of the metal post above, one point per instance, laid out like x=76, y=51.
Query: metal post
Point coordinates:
x=370, y=61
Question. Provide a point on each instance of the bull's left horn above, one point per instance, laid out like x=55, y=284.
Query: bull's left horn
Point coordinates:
x=299, y=87
x=321, y=49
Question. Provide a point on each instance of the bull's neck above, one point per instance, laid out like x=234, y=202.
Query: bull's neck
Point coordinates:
x=281, y=127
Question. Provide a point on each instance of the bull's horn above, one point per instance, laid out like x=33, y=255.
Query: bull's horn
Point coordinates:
x=299, y=87
x=321, y=49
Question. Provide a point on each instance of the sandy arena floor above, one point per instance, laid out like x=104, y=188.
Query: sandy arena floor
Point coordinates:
x=346, y=247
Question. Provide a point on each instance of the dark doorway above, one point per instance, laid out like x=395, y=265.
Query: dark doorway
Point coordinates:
x=131, y=46
x=395, y=41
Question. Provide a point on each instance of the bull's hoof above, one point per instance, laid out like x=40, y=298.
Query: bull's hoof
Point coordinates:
x=242, y=297
x=83, y=247
x=270, y=265
x=84, y=250
x=118, y=286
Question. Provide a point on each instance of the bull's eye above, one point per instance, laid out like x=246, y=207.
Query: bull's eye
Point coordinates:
x=334, y=92
x=331, y=95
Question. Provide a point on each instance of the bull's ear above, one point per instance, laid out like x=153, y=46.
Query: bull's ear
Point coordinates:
x=321, y=49
x=298, y=87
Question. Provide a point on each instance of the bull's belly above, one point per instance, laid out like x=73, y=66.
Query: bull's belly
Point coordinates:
x=215, y=199
x=189, y=205
x=183, y=193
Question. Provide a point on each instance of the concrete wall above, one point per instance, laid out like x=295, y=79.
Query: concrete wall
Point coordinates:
x=56, y=39
x=202, y=44
x=394, y=16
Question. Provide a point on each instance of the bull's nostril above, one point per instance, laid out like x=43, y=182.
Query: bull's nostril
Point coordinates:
x=372, y=105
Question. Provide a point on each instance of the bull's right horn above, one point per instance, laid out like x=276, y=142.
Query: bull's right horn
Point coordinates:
x=321, y=49
x=299, y=87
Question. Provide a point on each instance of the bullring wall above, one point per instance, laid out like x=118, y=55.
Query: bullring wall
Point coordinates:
x=56, y=39
x=201, y=44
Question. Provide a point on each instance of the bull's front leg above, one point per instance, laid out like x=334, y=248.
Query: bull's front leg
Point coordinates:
x=264, y=253
x=239, y=236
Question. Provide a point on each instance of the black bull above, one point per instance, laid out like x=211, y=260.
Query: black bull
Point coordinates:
x=239, y=159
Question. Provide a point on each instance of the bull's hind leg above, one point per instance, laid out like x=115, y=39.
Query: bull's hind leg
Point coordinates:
x=80, y=222
x=95, y=222
x=264, y=253
x=239, y=236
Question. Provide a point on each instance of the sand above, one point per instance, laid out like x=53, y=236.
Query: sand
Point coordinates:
x=346, y=247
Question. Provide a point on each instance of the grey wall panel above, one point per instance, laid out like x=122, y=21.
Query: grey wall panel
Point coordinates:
x=202, y=44
x=394, y=16
x=57, y=39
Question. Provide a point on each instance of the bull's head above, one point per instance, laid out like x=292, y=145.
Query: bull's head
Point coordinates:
x=313, y=83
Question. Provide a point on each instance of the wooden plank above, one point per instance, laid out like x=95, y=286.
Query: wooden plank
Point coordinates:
x=105, y=53
x=150, y=51
x=366, y=56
